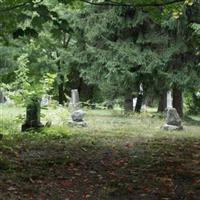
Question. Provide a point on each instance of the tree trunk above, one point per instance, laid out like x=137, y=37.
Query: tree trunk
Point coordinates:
x=162, y=102
x=61, y=93
x=128, y=103
x=178, y=100
x=139, y=103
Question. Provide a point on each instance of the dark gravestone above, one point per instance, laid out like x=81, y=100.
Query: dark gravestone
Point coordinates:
x=2, y=97
x=32, y=115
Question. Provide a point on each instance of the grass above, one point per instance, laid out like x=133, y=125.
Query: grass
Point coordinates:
x=115, y=157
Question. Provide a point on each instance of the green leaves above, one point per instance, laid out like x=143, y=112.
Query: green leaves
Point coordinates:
x=26, y=86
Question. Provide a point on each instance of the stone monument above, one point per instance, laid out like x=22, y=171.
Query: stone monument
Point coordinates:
x=173, y=121
x=169, y=99
x=77, y=118
x=77, y=114
x=32, y=115
x=74, y=102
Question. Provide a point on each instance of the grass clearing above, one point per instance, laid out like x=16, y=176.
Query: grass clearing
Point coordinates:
x=115, y=157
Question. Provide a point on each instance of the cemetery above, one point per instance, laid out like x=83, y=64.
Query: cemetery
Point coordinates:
x=100, y=100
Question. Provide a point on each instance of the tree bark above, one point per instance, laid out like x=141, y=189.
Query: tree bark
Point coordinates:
x=61, y=93
x=128, y=103
x=162, y=102
x=178, y=100
x=139, y=103
x=61, y=88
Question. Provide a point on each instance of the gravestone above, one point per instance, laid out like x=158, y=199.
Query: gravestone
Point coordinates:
x=77, y=118
x=74, y=103
x=46, y=100
x=77, y=114
x=139, y=102
x=169, y=99
x=134, y=103
x=32, y=115
x=2, y=96
x=173, y=121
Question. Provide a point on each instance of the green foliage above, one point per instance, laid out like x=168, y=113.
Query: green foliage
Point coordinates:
x=114, y=48
x=193, y=103
x=27, y=87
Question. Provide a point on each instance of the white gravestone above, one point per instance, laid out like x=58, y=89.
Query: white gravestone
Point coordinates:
x=169, y=100
x=46, y=100
x=77, y=114
x=74, y=103
x=134, y=103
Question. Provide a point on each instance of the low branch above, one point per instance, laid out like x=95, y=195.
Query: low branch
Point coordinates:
x=160, y=4
x=111, y=3
x=107, y=3
x=17, y=6
x=14, y=7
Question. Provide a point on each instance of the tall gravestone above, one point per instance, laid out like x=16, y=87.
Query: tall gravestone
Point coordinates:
x=77, y=114
x=173, y=120
x=169, y=99
x=32, y=115
x=74, y=103
x=139, y=102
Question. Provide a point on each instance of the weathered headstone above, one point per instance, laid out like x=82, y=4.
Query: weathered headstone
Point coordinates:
x=2, y=96
x=77, y=118
x=77, y=114
x=173, y=121
x=74, y=103
x=32, y=115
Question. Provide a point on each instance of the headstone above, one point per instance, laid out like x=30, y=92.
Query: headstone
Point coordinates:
x=46, y=100
x=32, y=115
x=134, y=103
x=169, y=99
x=74, y=103
x=2, y=96
x=173, y=121
x=77, y=118
x=139, y=102
x=108, y=104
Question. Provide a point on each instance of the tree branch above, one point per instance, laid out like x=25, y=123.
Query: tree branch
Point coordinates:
x=107, y=3
x=14, y=7
x=17, y=6
x=160, y=4
x=111, y=3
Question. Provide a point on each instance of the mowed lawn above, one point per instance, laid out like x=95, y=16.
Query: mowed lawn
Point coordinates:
x=115, y=157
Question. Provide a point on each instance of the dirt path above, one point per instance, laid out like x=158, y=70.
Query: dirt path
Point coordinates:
x=60, y=170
